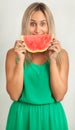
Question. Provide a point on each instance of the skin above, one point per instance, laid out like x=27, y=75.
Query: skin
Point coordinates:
x=58, y=70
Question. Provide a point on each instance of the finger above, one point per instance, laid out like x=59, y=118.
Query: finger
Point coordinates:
x=20, y=50
x=56, y=42
x=51, y=43
x=53, y=39
x=19, y=43
x=58, y=46
x=23, y=44
x=55, y=48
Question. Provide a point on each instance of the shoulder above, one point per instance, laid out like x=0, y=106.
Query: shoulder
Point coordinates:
x=10, y=53
x=64, y=58
x=64, y=51
x=10, y=56
x=64, y=54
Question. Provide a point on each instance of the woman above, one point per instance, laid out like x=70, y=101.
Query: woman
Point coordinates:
x=37, y=82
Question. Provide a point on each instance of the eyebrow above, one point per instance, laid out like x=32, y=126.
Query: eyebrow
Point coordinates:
x=40, y=21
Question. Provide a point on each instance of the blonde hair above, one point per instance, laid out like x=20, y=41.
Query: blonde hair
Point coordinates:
x=26, y=19
x=33, y=8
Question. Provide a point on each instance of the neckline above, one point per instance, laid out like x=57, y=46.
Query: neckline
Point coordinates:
x=39, y=65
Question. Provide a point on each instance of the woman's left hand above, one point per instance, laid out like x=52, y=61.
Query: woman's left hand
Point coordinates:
x=54, y=49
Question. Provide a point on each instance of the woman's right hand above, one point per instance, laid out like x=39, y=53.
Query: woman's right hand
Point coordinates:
x=20, y=50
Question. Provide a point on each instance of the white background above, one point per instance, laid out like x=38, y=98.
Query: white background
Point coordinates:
x=11, y=12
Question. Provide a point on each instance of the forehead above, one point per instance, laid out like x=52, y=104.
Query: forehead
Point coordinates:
x=38, y=15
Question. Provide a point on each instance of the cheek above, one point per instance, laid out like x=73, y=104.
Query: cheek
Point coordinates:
x=45, y=29
x=31, y=29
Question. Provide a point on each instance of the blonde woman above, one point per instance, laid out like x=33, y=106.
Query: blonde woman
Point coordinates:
x=37, y=82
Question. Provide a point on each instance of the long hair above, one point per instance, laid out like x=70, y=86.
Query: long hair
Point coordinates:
x=26, y=19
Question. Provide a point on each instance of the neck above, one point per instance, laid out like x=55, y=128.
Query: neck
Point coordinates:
x=39, y=58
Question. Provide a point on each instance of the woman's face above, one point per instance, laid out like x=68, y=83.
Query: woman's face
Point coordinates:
x=38, y=23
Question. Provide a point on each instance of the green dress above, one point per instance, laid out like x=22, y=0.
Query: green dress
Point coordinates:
x=36, y=108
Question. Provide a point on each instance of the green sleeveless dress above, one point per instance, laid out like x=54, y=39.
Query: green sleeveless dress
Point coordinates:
x=36, y=108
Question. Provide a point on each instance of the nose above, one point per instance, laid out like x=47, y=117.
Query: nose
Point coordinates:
x=38, y=29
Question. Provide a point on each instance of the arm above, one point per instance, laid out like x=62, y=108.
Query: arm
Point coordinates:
x=14, y=72
x=59, y=73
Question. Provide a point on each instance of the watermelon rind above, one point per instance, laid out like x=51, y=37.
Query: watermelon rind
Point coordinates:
x=38, y=50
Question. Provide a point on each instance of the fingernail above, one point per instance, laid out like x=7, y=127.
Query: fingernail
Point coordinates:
x=53, y=39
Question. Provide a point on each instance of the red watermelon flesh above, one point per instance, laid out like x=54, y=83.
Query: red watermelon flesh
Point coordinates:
x=37, y=43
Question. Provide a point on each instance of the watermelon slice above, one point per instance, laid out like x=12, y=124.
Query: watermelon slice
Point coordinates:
x=37, y=43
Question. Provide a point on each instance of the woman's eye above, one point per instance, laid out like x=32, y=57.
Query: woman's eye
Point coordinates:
x=32, y=24
x=43, y=24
